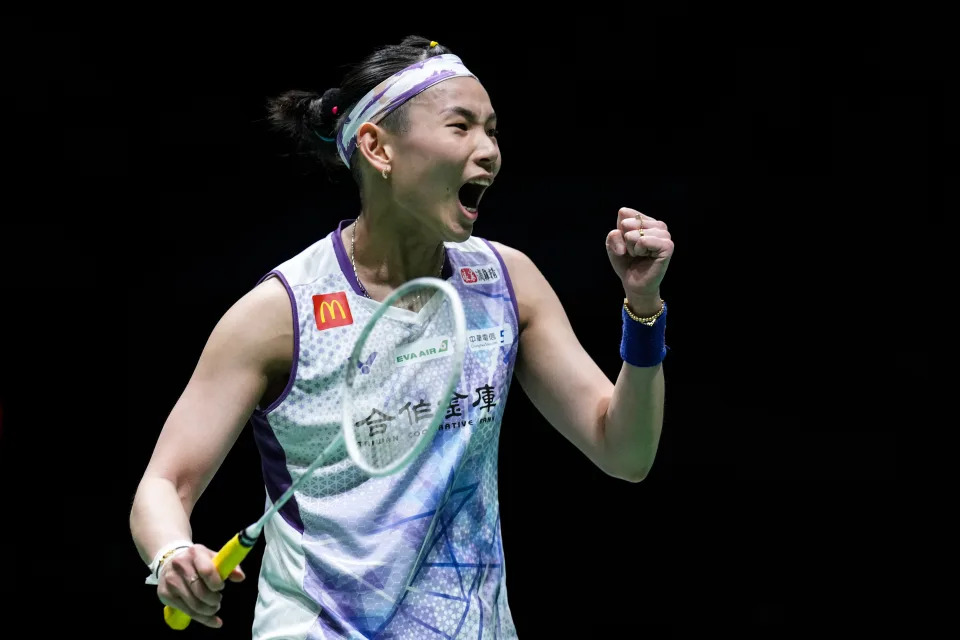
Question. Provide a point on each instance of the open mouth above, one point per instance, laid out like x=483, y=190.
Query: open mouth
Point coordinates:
x=470, y=195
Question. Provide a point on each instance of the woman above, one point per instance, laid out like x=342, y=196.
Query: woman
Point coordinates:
x=418, y=133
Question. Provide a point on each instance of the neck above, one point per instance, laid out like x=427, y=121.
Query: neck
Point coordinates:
x=391, y=250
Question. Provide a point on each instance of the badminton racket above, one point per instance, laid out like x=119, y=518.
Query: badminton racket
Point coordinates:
x=400, y=376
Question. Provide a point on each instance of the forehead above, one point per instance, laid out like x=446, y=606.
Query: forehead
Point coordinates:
x=456, y=92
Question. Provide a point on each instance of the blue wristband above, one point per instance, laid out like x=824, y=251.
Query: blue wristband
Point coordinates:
x=643, y=346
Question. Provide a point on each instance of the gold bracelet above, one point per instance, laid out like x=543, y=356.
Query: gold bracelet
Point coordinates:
x=167, y=555
x=647, y=321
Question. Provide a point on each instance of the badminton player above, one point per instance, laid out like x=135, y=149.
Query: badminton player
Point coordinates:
x=355, y=556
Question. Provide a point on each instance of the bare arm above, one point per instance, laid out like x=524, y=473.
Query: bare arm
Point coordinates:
x=250, y=346
x=616, y=426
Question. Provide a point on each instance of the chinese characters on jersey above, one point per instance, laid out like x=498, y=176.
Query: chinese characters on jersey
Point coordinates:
x=483, y=399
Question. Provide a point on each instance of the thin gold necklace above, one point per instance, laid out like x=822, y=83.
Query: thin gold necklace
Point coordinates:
x=353, y=242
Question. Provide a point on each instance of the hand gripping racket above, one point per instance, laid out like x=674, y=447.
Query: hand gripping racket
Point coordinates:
x=401, y=375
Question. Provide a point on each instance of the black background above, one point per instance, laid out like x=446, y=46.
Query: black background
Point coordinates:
x=791, y=153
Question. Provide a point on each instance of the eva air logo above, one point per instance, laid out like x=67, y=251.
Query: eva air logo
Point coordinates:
x=421, y=350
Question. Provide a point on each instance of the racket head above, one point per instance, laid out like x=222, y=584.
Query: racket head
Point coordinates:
x=401, y=376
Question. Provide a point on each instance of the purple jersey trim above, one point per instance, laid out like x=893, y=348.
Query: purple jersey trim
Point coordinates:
x=506, y=274
x=296, y=341
x=346, y=267
x=273, y=465
x=343, y=259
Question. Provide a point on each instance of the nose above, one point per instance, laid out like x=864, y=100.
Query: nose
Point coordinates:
x=488, y=153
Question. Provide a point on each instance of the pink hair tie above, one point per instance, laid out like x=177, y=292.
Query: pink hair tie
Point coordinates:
x=334, y=111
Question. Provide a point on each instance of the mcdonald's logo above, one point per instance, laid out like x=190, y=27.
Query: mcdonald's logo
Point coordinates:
x=332, y=310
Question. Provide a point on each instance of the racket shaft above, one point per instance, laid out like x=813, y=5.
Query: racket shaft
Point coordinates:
x=225, y=561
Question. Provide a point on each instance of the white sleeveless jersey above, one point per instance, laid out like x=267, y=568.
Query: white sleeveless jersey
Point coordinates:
x=349, y=556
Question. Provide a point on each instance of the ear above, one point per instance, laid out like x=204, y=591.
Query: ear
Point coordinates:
x=374, y=143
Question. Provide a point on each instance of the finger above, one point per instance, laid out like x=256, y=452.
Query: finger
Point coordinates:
x=208, y=571
x=626, y=213
x=630, y=223
x=176, y=591
x=214, y=622
x=183, y=577
x=206, y=601
x=237, y=575
x=629, y=219
x=615, y=243
x=632, y=236
x=649, y=245
x=179, y=604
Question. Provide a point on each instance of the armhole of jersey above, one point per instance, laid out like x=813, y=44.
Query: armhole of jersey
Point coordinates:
x=506, y=275
x=296, y=343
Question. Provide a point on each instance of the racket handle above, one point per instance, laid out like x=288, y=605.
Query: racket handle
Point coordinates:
x=225, y=561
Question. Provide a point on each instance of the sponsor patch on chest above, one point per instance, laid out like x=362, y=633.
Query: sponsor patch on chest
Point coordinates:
x=332, y=310
x=479, y=339
x=480, y=274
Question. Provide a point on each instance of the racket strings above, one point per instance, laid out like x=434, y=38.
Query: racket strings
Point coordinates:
x=393, y=398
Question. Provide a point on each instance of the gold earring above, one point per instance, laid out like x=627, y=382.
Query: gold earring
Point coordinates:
x=384, y=174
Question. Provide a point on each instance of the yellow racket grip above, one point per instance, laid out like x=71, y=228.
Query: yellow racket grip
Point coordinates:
x=225, y=561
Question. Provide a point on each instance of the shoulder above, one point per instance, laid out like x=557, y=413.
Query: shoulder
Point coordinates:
x=258, y=327
x=517, y=262
x=508, y=253
x=262, y=304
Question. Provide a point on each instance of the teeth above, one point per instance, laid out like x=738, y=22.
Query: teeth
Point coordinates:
x=484, y=182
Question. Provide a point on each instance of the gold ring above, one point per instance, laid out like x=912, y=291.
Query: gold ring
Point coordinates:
x=194, y=578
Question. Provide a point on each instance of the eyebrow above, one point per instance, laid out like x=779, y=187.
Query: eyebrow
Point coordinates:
x=468, y=114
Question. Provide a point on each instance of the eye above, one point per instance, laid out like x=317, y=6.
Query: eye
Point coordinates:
x=493, y=133
x=459, y=124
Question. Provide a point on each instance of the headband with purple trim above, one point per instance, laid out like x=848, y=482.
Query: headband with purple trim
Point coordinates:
x=393, y=92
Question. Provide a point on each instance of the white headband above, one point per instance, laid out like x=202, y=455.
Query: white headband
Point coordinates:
x=394, y=91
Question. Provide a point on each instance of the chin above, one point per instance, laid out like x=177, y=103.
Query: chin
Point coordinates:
x=463, y=230
x=460, y=233
x=458, y=229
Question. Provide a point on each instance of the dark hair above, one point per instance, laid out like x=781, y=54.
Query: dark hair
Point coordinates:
x=307, y=116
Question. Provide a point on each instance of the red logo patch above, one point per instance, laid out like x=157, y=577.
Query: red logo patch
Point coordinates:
x=332, y=310
x=468, y=275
